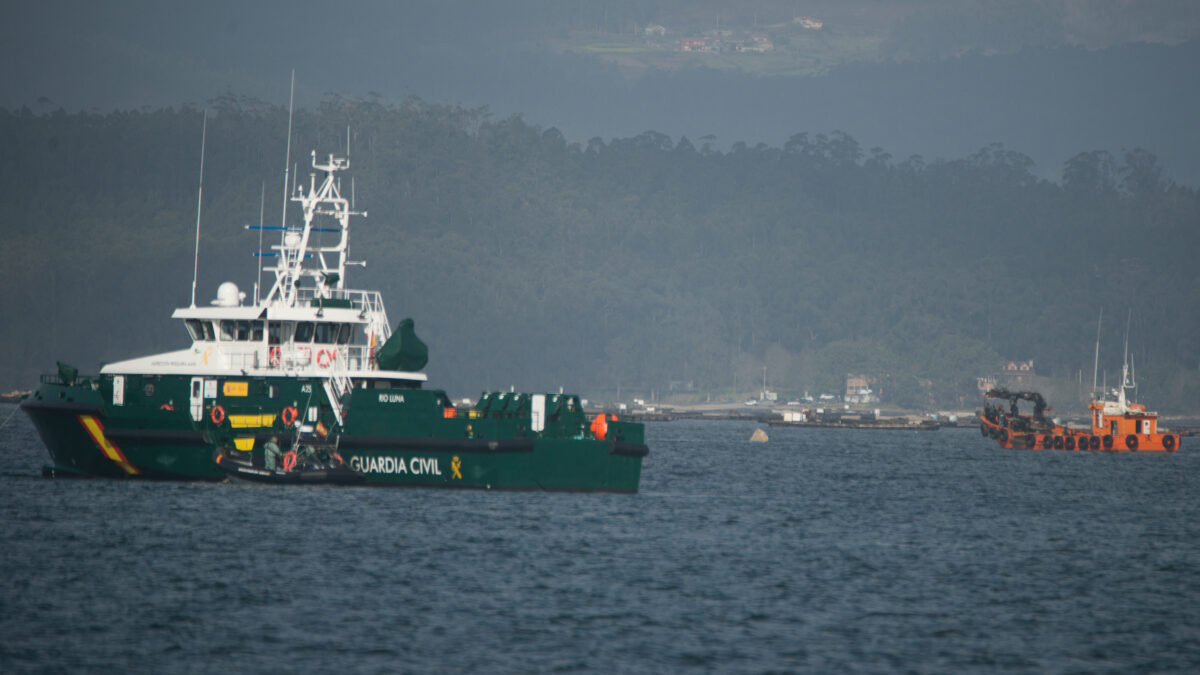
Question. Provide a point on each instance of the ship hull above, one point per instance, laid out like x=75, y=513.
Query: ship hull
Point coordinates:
x=403, y=439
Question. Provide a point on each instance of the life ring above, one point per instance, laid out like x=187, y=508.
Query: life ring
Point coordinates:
x=1169, y=442
x=166, y=406
x=289, y=415
x=276, y=355
x=1108, y=441
x=1131, y=442
x=1094, y=443
x=289, y=460
x=218, y=415
x=325, y=357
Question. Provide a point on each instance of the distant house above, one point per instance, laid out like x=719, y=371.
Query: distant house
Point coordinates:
x=1019, y=372
x=809, y=22
x=858, y=390
x=655, y=30
x=759, y=42
x=693, y=44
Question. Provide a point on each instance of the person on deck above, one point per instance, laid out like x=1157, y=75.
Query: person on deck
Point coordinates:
x=271, y=453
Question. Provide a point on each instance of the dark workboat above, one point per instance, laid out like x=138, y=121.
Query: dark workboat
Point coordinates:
x=311, y=459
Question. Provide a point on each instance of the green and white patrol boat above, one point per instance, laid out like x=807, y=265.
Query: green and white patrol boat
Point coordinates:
x=314, y=354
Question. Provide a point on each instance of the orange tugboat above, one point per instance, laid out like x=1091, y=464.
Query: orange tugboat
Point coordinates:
x=1116, y=425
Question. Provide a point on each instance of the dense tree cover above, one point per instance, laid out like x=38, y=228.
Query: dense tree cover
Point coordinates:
x=640, y=265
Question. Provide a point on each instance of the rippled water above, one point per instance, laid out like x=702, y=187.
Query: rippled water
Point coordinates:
x=821, y=551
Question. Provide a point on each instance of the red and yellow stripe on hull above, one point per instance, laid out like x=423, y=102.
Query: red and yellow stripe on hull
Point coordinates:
x=110, y=450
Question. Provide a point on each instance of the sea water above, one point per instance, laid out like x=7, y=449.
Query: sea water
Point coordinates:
x=821, y=550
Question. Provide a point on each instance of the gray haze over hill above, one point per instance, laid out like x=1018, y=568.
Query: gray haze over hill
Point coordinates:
x=937, y=79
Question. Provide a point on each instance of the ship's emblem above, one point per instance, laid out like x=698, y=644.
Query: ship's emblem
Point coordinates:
x=455, y=465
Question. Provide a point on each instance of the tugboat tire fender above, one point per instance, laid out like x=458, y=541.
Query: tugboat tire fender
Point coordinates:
x=1048, y=442
x=1169, y=442
x=1094, y=443
x=1108, y=441
x=1069, y=443
x=1131, y=442
x=218, y=415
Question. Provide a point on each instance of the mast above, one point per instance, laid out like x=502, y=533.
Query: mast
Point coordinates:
x=1125, y=382
x=287, y=162
x=199, y=202
x=1096, y=364
x=262, y=205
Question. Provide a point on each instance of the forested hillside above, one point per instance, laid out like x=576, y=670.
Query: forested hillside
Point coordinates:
x=644, y=264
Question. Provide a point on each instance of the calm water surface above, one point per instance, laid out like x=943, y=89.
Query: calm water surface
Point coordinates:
x=819, y=551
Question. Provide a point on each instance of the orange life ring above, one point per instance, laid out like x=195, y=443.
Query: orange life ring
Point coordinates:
x=218, y=415
x=325, y=357
x=166, y=406
x=338, y=458
x=276, y=355
x=289, y=460
x=289, y=415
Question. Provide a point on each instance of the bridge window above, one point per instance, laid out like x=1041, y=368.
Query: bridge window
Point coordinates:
x=345, y=334
x=200, y=330
x=326, y=333
x=304, y=332
x=256, y=331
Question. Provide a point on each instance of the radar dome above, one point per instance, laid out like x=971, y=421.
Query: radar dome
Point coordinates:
x=228, y=295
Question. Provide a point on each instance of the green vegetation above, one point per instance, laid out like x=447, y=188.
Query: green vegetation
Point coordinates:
x=642, y=264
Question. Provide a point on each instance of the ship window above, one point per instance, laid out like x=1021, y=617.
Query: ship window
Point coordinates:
x=195, y=329
x=148, y=389
x=257, y=331
x=304, y=332
x=210, y=333
x=243, y=330
x=346, y=332
x=275, y=332
x=228, y=329
x=326, y=333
